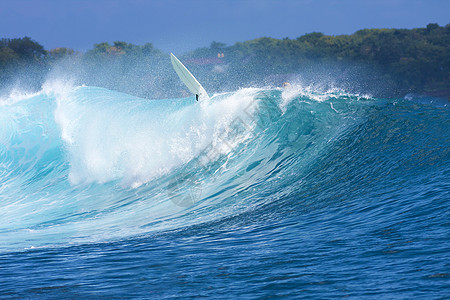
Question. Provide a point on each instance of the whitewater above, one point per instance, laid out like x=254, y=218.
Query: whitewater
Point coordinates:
x=295, y=192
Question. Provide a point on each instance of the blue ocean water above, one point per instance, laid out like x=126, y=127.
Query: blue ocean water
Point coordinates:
x=291, y=193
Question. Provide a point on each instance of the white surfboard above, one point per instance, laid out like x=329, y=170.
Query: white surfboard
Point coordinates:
x=188, y=79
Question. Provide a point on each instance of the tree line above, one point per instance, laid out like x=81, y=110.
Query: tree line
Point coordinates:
x=410, y=60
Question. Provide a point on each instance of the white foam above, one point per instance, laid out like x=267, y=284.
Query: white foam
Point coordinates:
x=314, y=93
x=112, y=136
x=16, y=95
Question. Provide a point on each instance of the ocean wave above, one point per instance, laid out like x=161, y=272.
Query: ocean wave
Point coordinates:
x=96, y=165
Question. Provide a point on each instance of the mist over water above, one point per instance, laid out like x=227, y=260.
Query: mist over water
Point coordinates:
x=306, y=190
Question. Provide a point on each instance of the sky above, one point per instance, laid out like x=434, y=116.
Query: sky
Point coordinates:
x=179, y=26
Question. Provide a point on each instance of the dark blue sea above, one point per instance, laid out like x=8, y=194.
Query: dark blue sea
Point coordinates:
x=257, y=193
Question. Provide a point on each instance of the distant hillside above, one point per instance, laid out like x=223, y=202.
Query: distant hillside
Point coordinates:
x=395, y=61
x=416, y=60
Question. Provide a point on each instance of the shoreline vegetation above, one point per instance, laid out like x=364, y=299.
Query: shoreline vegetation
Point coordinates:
x=384, y=62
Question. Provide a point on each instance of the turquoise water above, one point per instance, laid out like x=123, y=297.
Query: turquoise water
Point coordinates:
x=256, y=193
